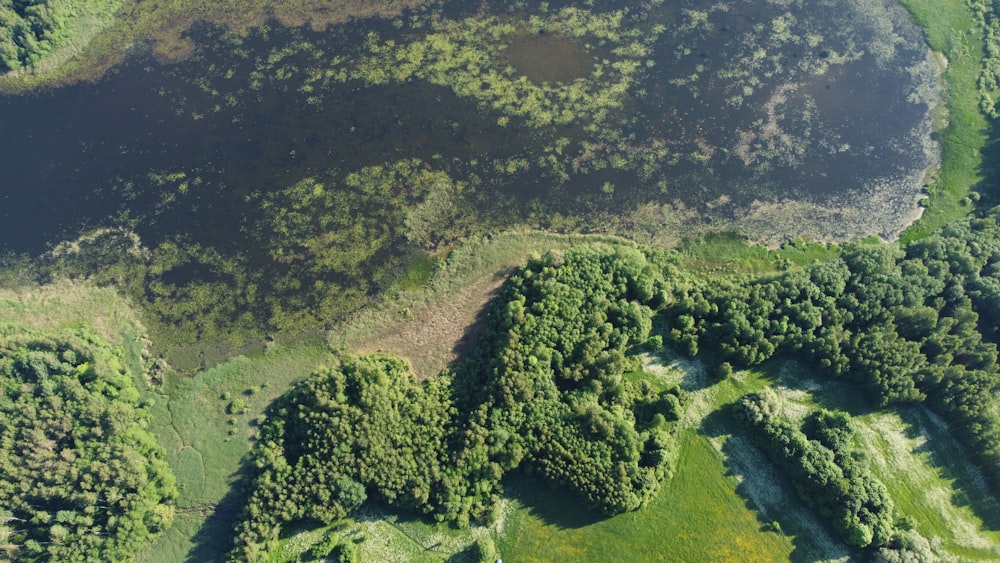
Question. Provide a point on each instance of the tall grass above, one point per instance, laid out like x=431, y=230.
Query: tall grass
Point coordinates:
x=427, y=325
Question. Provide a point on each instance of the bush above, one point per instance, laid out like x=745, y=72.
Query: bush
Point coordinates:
x=325, y=546
x=237, y=406
x=724, y=371
x=484, y=550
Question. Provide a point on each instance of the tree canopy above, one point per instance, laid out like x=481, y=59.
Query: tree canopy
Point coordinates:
x=913, y=324
x=545, y=392
x=822, y=467
x=81, y=477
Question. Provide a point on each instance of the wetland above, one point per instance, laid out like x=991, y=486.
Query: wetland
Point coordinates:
x=281, y=187
x=282, y=165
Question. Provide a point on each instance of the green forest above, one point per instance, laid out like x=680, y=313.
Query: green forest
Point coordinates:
x=82, y=477
x=409, y=354
x=547, y=392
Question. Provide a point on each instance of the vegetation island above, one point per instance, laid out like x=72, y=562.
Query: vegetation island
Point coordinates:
x=421, y=280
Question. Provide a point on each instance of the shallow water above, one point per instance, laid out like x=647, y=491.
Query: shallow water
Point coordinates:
x=745, y=138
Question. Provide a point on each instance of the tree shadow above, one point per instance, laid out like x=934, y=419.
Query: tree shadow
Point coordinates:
x=214, y=539
x=954, y=465
x=766, y=492
x=554, y=505
x=467, y=345
x=989, y=168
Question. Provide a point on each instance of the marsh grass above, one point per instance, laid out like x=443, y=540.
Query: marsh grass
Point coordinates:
x=105, y=36
x=206, y=444
x=69, y=304
x=730, y=253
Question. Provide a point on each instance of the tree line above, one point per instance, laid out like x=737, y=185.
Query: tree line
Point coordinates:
x=553, y=388
x=912, y=324
x=546, y=392
x=821, y=465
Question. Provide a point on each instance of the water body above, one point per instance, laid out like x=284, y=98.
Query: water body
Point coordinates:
x=779, y=119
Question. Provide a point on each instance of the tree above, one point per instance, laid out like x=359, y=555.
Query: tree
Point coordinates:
x=80, y=474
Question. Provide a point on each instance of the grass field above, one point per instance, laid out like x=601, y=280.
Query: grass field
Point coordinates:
x=725, y=501
x=206, y=443
x=698, y=516
x=931, y=481
x=929, y=478
x=951, y=31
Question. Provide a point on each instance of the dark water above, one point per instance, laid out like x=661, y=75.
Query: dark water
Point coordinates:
x=81, y=157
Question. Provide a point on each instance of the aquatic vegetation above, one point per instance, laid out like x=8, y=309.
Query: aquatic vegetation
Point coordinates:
x=467, y=56
x=309, y=166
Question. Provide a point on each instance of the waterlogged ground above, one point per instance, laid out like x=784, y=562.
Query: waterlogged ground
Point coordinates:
x=288, y=161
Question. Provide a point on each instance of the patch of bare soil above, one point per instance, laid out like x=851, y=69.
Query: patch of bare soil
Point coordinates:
x=433, y=335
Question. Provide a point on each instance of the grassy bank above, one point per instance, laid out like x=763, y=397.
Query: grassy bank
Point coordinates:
x=105, y=32
x=952, y=31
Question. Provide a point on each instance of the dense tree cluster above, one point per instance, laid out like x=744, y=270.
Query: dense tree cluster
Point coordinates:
x=552, y=373
x=547, y=392
x=30, y=28
x=913, y=324
x=362, y=424
x=24, y=27
x=81, y=478
x=822, y=468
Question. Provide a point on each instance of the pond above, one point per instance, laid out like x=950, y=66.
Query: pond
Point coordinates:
x=772, y=119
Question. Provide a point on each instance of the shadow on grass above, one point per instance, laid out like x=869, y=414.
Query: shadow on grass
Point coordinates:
x=472, y=336
x=765, y=490
x=214, y=539
x=955, y=465
x=989, y=168
x=554, y=505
